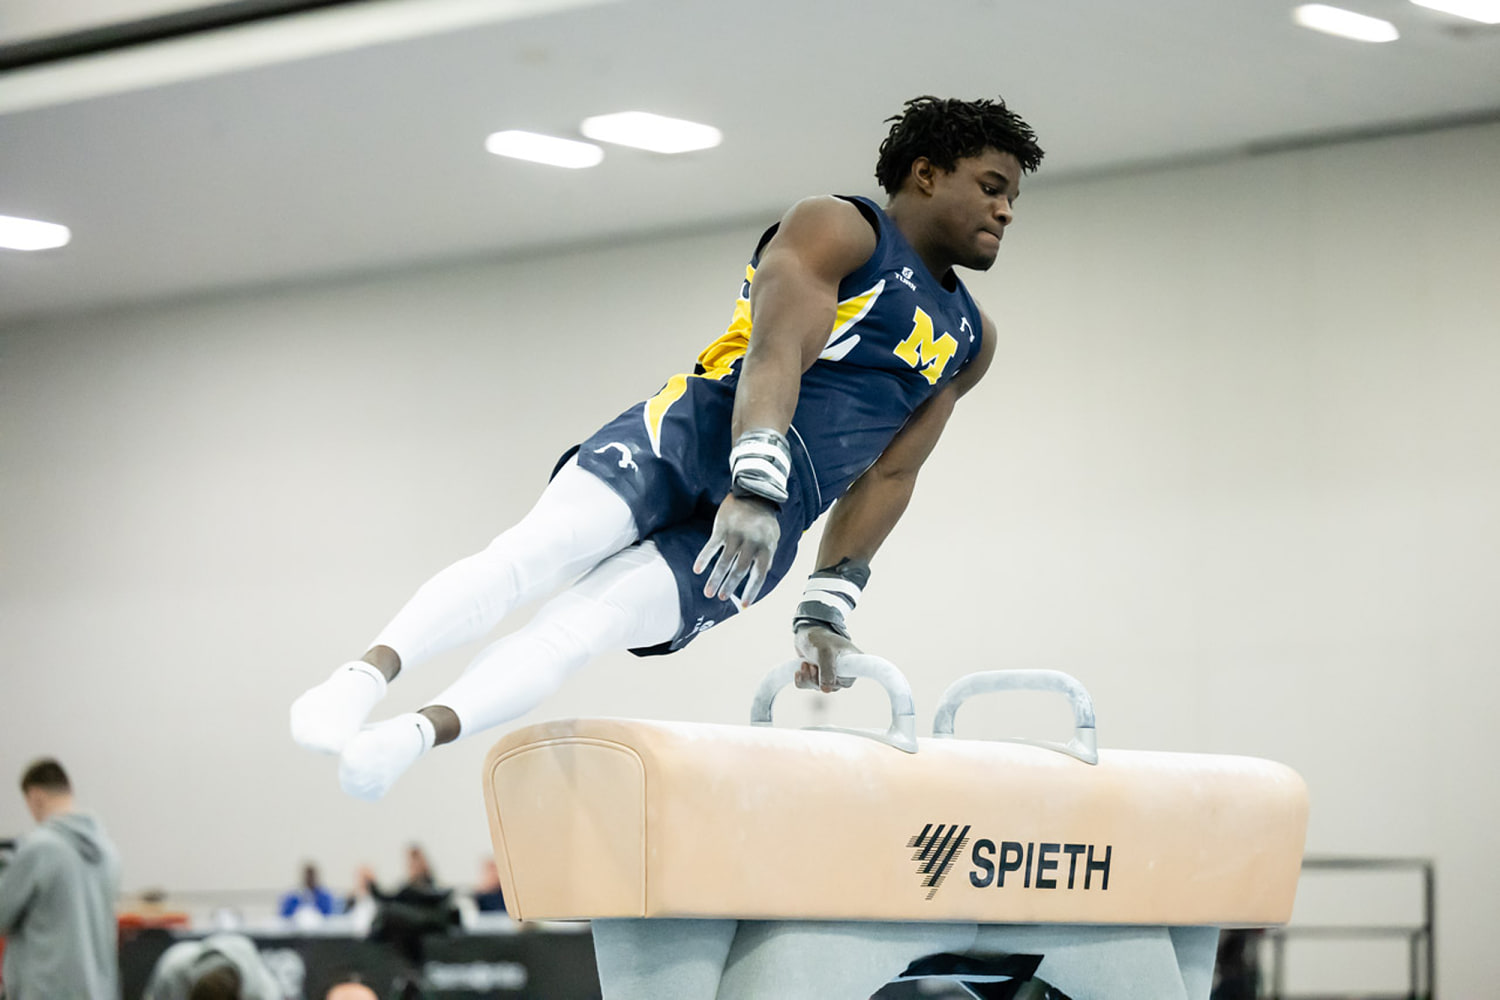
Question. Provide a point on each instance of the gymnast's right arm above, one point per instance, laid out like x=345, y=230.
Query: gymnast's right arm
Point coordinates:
x=794, y=299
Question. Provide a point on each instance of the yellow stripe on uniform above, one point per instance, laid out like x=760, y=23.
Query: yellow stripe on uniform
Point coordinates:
x=736, y=338
x=718, y=358
x=716, y=361
x=658, y=405
x=850, y=312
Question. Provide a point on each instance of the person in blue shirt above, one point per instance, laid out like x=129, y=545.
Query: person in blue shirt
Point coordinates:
x=310, y=896
x=850, y=344
x=489, y=897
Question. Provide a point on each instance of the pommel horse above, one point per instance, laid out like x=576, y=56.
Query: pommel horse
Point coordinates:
x=729, y=862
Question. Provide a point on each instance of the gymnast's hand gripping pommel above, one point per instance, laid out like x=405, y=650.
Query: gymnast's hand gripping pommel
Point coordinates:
x=820, y=627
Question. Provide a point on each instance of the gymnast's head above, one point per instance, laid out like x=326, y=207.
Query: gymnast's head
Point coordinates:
x=957, y=165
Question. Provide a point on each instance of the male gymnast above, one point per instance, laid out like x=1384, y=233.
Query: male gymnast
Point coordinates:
x=850, y=343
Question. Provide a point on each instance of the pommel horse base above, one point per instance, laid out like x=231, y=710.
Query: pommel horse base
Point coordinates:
x=729, y=862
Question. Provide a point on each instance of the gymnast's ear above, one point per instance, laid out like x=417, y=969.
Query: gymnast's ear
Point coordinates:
x=922, y=176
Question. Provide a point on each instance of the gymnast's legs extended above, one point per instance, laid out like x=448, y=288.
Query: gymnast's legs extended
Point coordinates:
x=626, y=598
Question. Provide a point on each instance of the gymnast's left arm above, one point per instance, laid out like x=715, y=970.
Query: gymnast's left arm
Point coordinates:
x=862, y=519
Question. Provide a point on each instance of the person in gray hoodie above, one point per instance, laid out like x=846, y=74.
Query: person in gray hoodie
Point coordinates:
x=57, y=899
x=221, y=967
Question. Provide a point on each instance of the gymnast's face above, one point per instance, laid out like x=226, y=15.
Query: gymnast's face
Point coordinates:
x=972, y=205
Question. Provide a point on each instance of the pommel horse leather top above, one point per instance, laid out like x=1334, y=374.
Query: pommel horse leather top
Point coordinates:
x=600, y=818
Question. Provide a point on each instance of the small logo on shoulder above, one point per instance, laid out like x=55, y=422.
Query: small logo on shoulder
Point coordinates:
x=905, y=278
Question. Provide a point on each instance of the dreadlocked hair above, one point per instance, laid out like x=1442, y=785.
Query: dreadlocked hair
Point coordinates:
x=946, y=131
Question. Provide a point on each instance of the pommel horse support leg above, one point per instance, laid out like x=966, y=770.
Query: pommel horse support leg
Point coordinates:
x=730, y=862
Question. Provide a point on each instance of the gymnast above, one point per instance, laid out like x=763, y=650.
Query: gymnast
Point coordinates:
x=850, y=343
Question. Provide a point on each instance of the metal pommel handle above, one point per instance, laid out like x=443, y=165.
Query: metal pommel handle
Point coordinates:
x=903, y=732
x=1085, y=743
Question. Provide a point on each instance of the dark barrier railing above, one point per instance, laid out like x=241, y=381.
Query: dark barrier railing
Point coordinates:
x=1421, y=957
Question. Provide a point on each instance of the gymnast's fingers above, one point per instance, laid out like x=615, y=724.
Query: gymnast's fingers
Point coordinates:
x=736, y=573
x=757, y=576
x=719, y=580
x=706, y=555
x=828, y=668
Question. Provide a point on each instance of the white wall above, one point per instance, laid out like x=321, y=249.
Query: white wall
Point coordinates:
x=1237, y=467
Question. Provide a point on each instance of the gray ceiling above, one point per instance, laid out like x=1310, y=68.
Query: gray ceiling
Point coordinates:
x=373, y=157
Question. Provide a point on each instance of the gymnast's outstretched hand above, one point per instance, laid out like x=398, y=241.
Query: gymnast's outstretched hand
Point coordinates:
x=821, y=648
x=744, y=539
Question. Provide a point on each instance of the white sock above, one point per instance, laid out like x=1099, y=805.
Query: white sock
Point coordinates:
x=381, y=753
x=326, y=717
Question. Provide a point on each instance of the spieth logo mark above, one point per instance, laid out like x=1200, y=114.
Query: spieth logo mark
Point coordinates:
x=935, y=848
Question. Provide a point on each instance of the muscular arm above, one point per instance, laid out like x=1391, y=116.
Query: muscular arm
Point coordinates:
x=866, y=514
x=793, y=301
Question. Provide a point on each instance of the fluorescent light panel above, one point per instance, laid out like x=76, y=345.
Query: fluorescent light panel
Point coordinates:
x=30, y=234
x=548, y=149
x=1483, y=11
x=657, y=133
x=275, y=40
x=1345, y=23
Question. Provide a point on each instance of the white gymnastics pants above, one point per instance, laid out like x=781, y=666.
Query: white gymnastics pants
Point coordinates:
x=626, y=597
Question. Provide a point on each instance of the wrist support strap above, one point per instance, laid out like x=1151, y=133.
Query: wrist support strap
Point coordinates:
x=759, y=465
x=831, y=595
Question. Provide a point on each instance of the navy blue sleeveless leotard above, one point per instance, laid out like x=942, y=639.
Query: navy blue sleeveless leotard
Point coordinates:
x=899, y=336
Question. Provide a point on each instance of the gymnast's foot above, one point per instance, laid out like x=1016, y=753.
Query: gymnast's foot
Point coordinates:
x=381, y=753
x=327, y=717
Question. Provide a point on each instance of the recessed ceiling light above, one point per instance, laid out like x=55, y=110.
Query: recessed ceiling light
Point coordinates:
x=643, y=130
x=29, y=234
x=548, y=149
x=1345, y=23
x=1483, y=11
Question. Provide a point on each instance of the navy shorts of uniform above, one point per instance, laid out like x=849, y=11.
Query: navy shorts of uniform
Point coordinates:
x=668, y=459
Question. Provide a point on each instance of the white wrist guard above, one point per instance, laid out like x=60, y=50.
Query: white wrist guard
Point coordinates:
x=760, y=464
x=831, y=595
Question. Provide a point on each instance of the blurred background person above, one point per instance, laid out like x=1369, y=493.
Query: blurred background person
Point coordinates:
x=219, y=967
x=310, y=902
x=417, y=909
x=57, y=898
x=488, y=897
